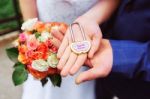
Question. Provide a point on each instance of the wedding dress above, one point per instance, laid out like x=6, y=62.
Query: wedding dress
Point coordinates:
x=60, y=11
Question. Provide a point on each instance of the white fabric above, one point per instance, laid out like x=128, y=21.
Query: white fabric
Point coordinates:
x=63, y=10
x=60, y=11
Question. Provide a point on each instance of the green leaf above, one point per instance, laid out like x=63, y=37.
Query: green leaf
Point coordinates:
x=18, y=64
x=55, y=79
x=44, y=81
x=20, y=75
x=37, y=35
x=12, y=53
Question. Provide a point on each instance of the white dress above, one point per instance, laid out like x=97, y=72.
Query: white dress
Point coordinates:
x=60, y=11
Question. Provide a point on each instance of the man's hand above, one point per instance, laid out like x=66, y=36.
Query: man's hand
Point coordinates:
x=101, y=63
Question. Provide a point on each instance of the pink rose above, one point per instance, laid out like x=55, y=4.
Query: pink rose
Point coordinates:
x=32, y=43
x=22, y=37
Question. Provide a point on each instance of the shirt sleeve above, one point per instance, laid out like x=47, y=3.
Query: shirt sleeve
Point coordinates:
x=131, y=59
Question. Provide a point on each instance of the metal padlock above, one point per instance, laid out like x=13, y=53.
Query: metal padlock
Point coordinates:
x=79, y=47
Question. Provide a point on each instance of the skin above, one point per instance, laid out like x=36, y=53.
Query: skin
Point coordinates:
x=70, y=63
x=28, y=9
x=100, y=49
x=100, y=65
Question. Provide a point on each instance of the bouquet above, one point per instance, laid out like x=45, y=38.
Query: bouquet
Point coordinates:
x=34, y=53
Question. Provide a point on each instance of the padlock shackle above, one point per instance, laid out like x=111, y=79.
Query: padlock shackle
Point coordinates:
x=72, y=33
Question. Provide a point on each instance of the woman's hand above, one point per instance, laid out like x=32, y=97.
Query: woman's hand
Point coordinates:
x=58, y=33
x=101, y=63
x=70, y=62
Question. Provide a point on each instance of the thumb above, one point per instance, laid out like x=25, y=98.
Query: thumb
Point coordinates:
x=90, y=74
x=95, y=45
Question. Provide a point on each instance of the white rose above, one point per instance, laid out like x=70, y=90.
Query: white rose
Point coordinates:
x=45, y=36
x=52, y=60
x=28, y=25
x=40, y=65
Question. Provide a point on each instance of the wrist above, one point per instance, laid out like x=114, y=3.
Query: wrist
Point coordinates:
x=86, y=20
x=90, y=17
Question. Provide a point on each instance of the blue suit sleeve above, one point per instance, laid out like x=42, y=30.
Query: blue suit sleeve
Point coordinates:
x=131, y=59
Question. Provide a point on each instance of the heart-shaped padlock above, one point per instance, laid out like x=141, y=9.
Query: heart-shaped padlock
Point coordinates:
x=80, y=46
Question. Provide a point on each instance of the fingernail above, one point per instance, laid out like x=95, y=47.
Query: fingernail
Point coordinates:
x=71, y=73
x=77, y=83
x=59, y=67
x=63, y=74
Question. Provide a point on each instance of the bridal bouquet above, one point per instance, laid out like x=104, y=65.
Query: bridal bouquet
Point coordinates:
x=34, y=53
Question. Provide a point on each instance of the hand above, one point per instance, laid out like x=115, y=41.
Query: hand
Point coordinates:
x=70, y=62
x=101, y=63
x=58, y=33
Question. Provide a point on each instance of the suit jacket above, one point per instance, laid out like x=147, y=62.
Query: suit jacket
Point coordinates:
x=129, y=34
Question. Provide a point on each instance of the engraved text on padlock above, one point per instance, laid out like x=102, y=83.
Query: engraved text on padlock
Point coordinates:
x=81, y=47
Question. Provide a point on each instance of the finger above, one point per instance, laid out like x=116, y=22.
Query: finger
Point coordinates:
x=62, y=47
x=90, y=74
x=64, y=58
x=57, y=34
x=63, y=28
x=95, y=45
x=56, y=42
x=67, y=67
x=79, y=62
x=88, y=63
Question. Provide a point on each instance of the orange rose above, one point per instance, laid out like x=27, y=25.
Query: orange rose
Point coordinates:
x=48, y=26
x=55, y=24
x=42, y=48
x=39, y=55
x=36, y=74
x=22, y=58
x=62, y=27
x=39, y=26
x=41, y=75
x=22, y=48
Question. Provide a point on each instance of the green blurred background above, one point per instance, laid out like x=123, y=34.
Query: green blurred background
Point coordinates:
x=7, y=10
x=9, y=26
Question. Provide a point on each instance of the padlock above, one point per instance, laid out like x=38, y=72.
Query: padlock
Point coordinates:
x=79, y=47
